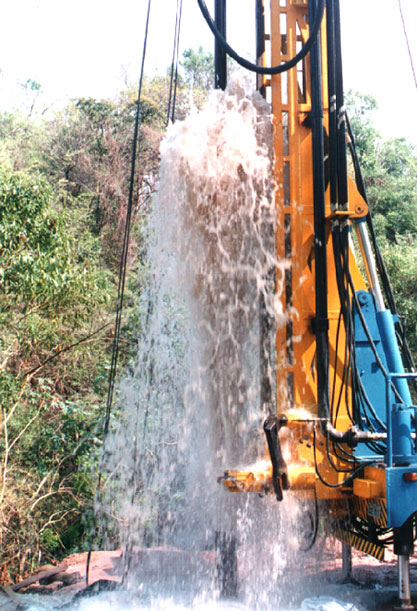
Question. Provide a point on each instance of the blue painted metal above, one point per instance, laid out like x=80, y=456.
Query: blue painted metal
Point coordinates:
x=401, y=456
x=401, y=495
x=369, y=373
x=402, y=442
x=392, y=352
x=395, y=414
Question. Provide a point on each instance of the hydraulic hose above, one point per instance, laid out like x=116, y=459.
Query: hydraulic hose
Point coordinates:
x=331, y=82
x=360, y=183
x=262, y=69
x=321, y=319
x=342, y=174
x=220, y=57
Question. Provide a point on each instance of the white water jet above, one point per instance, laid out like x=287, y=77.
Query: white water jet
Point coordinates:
x=191, y=406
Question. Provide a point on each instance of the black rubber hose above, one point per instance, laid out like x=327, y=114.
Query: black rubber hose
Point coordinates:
x=360, y=183
x=342, y=174
x=331, y=84
x=220, y=57
x=262, y=69
x=321, y=319
x=345, y=481
x=315, y=525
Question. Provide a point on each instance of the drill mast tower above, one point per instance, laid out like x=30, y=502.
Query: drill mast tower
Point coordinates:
x=343, y=427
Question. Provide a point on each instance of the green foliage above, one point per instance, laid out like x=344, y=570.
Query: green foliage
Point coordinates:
x=394, y=189
x=151, y=113
x=20, y=142
x=64, y=184
x=401, y=259
x=50, y=540
x=198, y=67
x=195, y=75
x=390, y=173
x=38, y=262
x=52, y=288
x=361, y=108
x=31, y=85
x=87, y=156
x=389, y=169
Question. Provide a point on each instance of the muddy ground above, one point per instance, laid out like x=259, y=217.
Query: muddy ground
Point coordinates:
x=374, y=584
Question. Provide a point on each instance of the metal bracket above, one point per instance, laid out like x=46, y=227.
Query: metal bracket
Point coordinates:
x=280, y=479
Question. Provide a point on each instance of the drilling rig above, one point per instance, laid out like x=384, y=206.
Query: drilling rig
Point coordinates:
x=342, y=430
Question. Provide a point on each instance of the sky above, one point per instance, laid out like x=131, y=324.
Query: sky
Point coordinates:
x=94, y=47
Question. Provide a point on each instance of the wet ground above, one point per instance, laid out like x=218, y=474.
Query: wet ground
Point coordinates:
x=373, y=587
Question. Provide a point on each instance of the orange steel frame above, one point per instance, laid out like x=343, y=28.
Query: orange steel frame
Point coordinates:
x=296, y=348
x=296, y=395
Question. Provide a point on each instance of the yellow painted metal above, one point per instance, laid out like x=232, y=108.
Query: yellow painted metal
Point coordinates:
x=305, y=449
x=296, y=365
x=362, y=544
x=377, y=474
x=296, y=346
x=255, y=479
x=367, y=488
x=259, y=478
x=372, y=485
x=366, y=509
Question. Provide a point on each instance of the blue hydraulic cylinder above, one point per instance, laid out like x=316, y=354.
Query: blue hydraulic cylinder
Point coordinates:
x=402, y=442
x=401, y=458
x=399, y=414
x=392, y=353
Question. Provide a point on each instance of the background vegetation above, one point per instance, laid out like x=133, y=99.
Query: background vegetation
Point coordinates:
x=63, y=201
x=389, y=168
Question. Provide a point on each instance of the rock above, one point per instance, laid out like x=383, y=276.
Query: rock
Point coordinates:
x=43, y=589
x=44, y=577
x=47, y=567
x=67, y=578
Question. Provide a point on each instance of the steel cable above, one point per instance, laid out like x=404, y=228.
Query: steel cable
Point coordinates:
x=174, y=66
x=407, y=43
x=122, y=274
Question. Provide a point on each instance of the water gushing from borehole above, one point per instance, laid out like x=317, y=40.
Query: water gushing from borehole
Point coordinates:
x=193, y=404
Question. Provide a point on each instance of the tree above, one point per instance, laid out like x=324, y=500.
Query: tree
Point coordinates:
x=198, y=67
x=64, y=184
x=389, y=169
x=361, y=108
x=87, y=154
x=390, y=172
x=32, y=90
x=401, y=264
x=52, y=310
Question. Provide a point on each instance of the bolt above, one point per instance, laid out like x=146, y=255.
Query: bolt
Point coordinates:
x=363, y=298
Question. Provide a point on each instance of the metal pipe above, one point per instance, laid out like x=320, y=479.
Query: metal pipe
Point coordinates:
x=383, y=316
x=342, y=174
x=347, y=563
x=321, y=319
x=352, y=436
x=260, y=44
x=331, y=85
x=220, y=57
x=404, y=592
x=388, y=403
x=392, y=353
x=403, y=548
x=365, y=246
